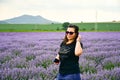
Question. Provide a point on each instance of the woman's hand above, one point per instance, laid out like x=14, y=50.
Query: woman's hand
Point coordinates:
x=56, y=60
x=78, y=38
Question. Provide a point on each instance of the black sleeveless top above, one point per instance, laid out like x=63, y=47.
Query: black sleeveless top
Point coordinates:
x=68, y=61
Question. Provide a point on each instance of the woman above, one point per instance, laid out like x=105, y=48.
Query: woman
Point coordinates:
x=68, y=55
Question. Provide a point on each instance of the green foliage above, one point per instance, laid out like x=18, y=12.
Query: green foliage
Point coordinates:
x=30, y=57
x=20, y=66
x=6, y=58
x=46, y=63
x=88, y=69
x=29, y=27
x=8, y=78
x=103, y=26
x=43, y=75
x=16, y=52
x=65, y=25
x=109, y=66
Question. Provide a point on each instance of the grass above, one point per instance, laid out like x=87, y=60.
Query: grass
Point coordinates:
x=108, y=26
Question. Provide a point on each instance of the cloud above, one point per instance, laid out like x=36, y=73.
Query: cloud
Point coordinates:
x=4, y=1
x=61, y=10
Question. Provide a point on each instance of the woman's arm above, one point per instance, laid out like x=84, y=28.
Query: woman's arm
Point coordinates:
x=78, y=47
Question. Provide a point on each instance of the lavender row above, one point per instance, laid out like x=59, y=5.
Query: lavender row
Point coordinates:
x=32, y=54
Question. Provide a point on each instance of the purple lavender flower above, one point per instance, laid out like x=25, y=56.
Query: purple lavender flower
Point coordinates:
x=30, y=55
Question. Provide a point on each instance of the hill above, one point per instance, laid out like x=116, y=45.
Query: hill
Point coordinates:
x=3, y=22
x=28, y=19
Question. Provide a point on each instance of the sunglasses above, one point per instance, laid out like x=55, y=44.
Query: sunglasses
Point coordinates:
x=71, y=33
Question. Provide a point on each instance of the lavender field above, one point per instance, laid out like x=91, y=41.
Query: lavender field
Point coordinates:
x=29, y=56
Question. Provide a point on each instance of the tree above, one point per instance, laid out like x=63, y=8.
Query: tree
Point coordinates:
x=65, y=25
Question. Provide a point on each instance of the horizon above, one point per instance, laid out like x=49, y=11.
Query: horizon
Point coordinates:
x=55, y=21
x=63, y=10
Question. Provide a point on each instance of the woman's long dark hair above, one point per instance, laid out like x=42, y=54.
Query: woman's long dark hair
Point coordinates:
x=65, y=40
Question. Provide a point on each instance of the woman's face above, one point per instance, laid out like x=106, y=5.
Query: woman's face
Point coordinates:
x=70, y=33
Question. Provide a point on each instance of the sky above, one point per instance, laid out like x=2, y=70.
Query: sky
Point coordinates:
x=63, y=10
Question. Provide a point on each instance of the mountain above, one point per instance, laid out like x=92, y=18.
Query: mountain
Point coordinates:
x=3, y=22
x=28, y=19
